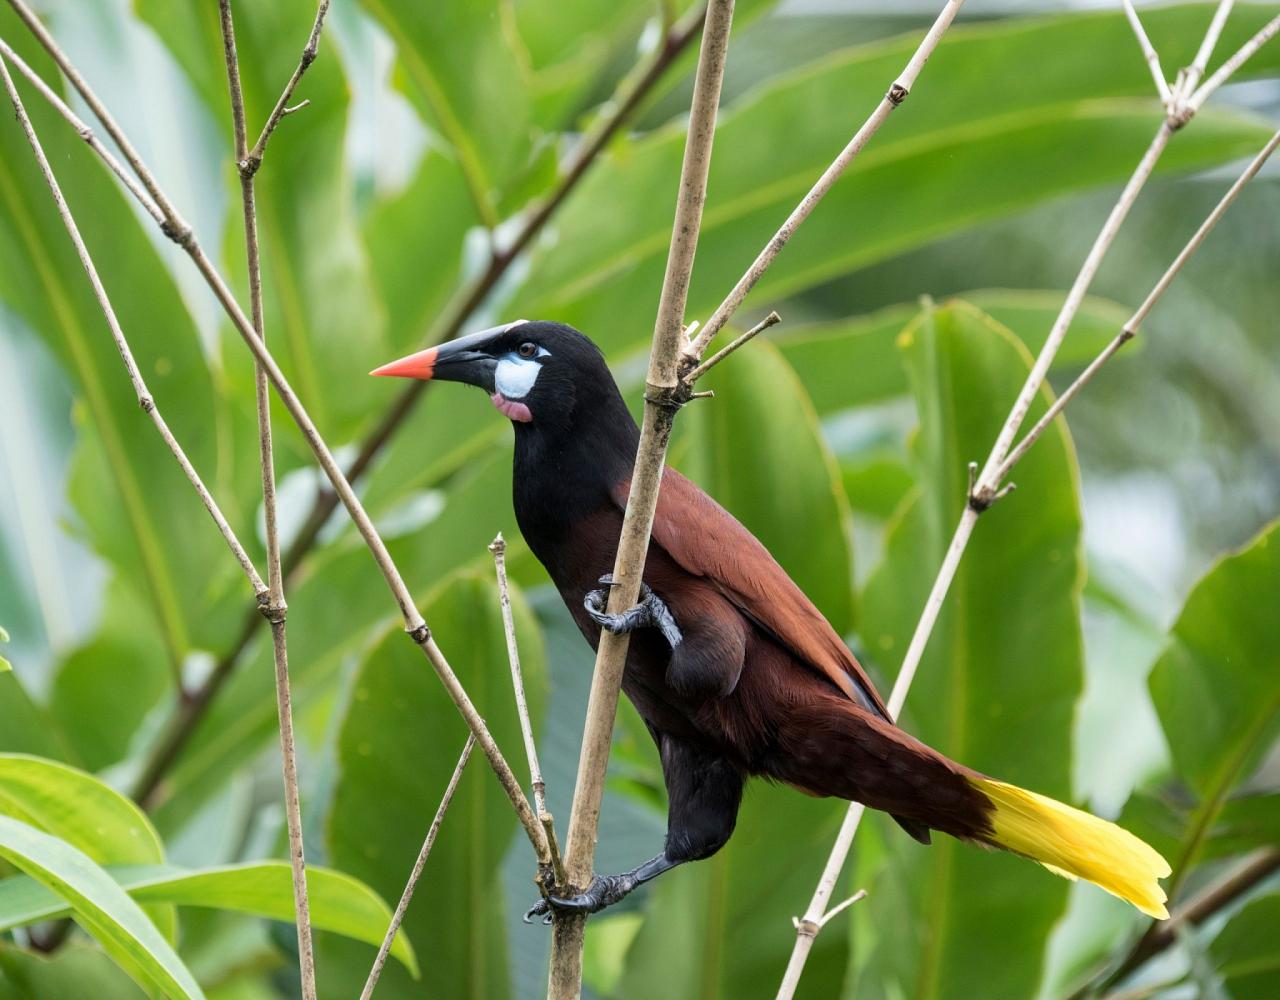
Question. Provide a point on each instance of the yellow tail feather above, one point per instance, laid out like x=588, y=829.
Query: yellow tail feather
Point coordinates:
x=1074, y=844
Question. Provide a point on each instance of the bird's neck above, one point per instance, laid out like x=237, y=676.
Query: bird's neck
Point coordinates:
x=566, y=474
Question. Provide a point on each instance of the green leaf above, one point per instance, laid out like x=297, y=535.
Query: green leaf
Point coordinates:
x=855, y=362
x=86, y=813
x=997, y=686
x=24, y=726
x=457, y=63
x=333, y=613
x=104, y=688
x=963, y=157
x=761, y=419
x=396, y=750
x=134, y=504
x=24, y=976
x=718, y=929
x=339, y=903
x=100, y=906
x=1245, y=951
x=1217, y=686
x=76, y=807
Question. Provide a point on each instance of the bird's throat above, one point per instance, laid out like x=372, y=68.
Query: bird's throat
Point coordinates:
x=511, y=408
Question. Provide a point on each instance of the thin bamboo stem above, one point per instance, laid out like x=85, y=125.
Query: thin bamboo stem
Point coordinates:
x=411, y=885
x=565, y=980
x=278, y=609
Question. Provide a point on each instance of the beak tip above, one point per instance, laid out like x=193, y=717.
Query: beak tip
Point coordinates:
x=420, y=366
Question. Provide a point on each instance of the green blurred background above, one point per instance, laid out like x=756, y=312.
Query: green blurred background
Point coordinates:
x=1084, y=651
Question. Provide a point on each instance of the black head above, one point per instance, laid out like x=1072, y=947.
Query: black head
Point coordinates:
x=546, y=377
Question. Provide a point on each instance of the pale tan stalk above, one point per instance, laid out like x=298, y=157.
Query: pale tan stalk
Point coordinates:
x=663, y=381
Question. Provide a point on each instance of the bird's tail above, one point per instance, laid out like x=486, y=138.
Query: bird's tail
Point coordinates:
x=1074, y=844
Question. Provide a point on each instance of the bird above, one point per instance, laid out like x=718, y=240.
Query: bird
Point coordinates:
x=734, y=671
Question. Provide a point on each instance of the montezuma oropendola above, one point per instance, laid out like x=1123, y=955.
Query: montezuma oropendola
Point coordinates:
x=732, y=668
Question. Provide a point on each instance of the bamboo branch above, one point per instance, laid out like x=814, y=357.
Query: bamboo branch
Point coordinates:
x=145, y=400
x=415, y=626
x=1246, y=52
x=1198, y=65
x=988, y=487
x=1149, y=53
x=1130, y=328
x=278, y=609
x=659, y=413
x=499, y=549
x=453, y=319
x=896, y=94
x=1213, y=899
x=402, y=907
x=84, y=131
x=251, y=160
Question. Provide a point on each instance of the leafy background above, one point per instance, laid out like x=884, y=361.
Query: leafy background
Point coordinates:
x=1110, y=639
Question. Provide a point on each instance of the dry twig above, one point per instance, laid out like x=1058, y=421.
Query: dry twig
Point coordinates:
x=402, y=907
x=277, y=608
x=659, y=414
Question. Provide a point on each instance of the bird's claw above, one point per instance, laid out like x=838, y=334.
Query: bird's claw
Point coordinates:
x=604, y=891
x=651, y=612
x=539, y=909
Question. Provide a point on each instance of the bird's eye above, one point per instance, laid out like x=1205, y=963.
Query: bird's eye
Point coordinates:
x=527, y=350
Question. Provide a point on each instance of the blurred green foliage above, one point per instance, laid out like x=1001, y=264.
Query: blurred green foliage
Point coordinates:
x=842, y=441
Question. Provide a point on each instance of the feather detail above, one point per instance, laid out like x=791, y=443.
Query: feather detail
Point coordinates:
x=1074, y=844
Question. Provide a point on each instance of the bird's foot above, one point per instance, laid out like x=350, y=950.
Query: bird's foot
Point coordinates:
x=604, y=890
x=651, y=612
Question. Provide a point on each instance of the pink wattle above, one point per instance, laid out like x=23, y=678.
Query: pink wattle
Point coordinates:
x=510, y=408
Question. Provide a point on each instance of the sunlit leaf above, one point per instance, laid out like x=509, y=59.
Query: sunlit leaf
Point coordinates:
x=997, y=686
x=100, y=906
x=338, y=902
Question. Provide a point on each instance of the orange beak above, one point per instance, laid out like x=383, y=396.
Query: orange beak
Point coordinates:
x=420, y=366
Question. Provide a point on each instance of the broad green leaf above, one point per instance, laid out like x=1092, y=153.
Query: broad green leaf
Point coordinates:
x=457, y=63
x=956, y=155
x=100, y=906
x=134, y=505
x=1217, y=686
x=1245, y=951
x=104, y=688
x=25, y=976
x=77, y=808
x=339, y=903
x=397, y=747
x=333, y=614
x=718, y=929
x=855, y=362
x=997, y=686
x=761, y=419
x=321, y=312
x=88, y=814
x=25, y=726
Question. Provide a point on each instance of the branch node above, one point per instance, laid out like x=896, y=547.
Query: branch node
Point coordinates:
x=897, y=94
x=668, y=397
x=273, y=611
x=420, y=635
x=806, y=927
x=249, y=165
x=147, y=403
x=178, y=231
